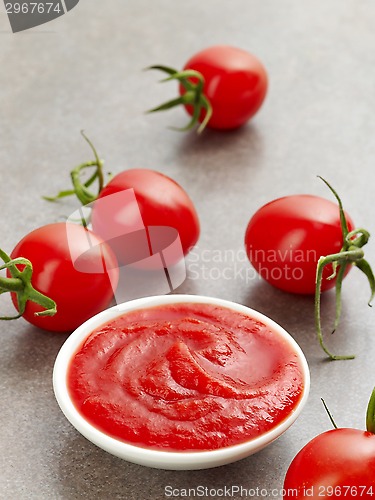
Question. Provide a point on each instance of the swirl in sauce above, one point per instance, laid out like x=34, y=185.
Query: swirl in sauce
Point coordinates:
x=185, y=377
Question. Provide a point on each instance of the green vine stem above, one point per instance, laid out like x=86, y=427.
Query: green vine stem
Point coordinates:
x=351, y=253
x=19, y=283
x=81, y=189
x=194, y=96
x=329, y=413
x=370, y=415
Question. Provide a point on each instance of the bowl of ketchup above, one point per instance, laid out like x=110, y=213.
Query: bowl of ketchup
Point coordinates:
x=181, y=381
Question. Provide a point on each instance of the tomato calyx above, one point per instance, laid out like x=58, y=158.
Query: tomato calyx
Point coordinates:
x=193, y=96
x=351, y=253
x=81, y=189
x=19, y=283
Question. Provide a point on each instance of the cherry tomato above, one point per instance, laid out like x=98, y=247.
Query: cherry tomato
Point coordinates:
x=221, y=87
x=339, y=463
x=285, y=238
x=81, y=288
x=161, y=202
x=235, y=83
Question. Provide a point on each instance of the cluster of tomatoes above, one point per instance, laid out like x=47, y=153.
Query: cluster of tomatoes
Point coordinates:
x=60, y=252
x=290, y=241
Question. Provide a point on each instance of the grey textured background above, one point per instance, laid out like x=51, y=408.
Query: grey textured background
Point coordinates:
x=84, y=70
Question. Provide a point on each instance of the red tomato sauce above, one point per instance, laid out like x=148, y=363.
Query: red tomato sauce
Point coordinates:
x=185, y=377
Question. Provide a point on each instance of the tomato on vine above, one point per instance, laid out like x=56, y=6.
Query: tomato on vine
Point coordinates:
x=285, y=238
x=339, y=463
x=59, y=275
x=161, y=201
x=306, y=244
x=221, y=87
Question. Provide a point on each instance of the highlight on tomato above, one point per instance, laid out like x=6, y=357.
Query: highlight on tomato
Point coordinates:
x=221, y=87
x=339, y=463
x=306, y=244
x=59, y=275
x=162, y=202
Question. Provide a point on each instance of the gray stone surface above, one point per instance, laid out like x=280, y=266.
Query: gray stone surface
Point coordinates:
x=84, y=70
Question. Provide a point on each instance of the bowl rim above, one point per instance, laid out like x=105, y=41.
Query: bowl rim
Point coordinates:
x=151, y=456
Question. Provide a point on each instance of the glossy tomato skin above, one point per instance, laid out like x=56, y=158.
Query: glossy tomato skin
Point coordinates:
x=236, y=84
x=339, y=463
x=161, y=201
x=285, y=238
x=78, y=295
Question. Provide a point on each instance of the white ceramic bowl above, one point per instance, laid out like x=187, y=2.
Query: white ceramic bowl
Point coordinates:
x=167, y=459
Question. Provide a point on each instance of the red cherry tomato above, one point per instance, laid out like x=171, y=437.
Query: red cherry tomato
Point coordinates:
x=285, y=238
x=79, y=294
x=339, y=463
x=161, y=201
x=235, y=84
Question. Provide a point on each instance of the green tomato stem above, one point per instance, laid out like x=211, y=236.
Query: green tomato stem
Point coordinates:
x=350, y=254
x=365, y=267
x=343, y=221
x=84, y=195
x=20, y=283
x=10, y=284
x=340, y=277
x=81, y=189
x=323, y=261
x=370, y=415
x=70, y=192
x=194, y=96
x=99, y=162
x=329, y=413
